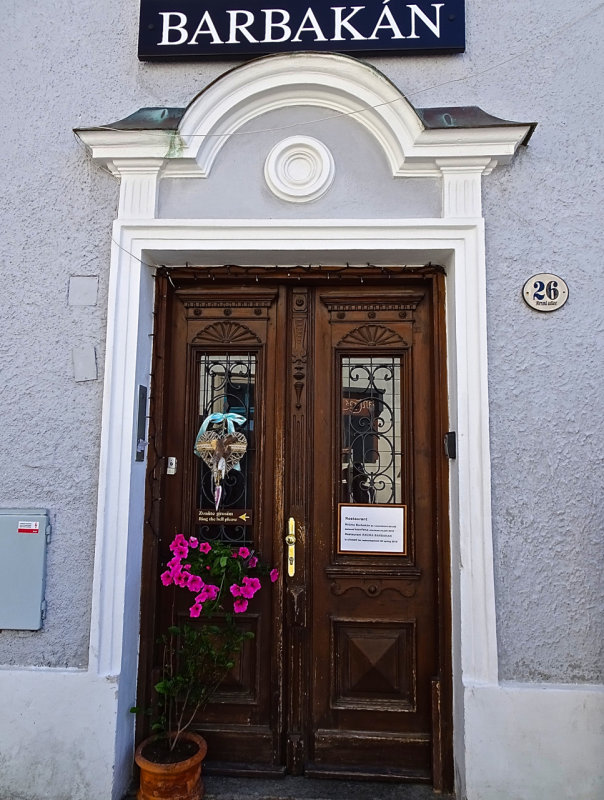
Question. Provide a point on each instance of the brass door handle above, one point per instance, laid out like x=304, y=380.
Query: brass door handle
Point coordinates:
x=290, y=540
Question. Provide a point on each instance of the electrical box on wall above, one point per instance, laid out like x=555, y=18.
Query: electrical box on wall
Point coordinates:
x=24, y=535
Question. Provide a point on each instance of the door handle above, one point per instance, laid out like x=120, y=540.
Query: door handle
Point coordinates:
x=290, y=540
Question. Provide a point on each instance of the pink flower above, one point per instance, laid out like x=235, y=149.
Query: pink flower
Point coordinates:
x=195, y=610
x=193, y=542
x=211, y=591
x=166, y=577
x=244, y=552
x=235, y=590
x=195, y=583
x=181, y=579
x=240, y=605
x=250, y=587
x=252, y=562
x=274, y=575
x=180, y=576
x=179, y=546
x=205, y=547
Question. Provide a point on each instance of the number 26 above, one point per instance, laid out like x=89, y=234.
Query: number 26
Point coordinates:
x=551, y=290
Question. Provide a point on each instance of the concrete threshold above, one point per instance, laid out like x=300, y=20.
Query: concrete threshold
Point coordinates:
x=290, y=788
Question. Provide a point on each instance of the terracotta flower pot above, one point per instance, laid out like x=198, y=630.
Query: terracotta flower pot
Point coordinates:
x=178, y=781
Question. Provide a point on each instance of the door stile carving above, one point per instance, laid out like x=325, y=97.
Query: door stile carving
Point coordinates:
x=297, y=468
x=278, y=423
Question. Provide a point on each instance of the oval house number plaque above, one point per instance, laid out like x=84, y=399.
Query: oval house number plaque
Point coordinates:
x=545, y=292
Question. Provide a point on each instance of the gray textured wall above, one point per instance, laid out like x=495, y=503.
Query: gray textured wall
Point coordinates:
x=68, y=64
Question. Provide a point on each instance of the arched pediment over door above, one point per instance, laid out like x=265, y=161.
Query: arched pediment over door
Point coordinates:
x=321, y=127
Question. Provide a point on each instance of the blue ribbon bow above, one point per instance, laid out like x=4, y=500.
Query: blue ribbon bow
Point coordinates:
x=231, y=420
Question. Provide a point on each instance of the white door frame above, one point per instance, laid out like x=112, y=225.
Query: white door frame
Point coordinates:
x=459, y=246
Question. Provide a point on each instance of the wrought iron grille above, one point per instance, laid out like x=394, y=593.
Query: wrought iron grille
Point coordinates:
x=371, y=429
x=227, y=384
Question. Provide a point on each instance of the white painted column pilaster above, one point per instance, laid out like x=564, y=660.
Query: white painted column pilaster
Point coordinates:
x=116, y=459
x=462, y=200
x=462, y=185
x=139, y=182
x=473, y=467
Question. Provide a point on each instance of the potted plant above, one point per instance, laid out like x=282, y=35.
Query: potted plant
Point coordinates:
x=197, y=656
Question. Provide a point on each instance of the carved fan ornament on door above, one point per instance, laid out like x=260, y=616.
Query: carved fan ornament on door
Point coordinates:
x=221, y=449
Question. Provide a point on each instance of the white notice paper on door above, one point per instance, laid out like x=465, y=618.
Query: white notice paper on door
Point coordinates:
x=376, y=529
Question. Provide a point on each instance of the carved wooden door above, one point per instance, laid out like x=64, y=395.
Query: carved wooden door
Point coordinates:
x=341, y=392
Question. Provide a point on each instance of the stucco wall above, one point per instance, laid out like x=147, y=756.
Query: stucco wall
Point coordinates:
x=545, y=370
x=66, y=69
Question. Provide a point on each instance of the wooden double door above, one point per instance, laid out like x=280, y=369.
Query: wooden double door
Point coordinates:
x=340, y=388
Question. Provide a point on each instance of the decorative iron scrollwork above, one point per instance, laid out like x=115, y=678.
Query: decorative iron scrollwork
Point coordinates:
x=371, y=429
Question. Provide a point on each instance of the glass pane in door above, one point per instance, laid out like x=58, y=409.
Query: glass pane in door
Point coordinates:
x=227, y=383
x=371, y=438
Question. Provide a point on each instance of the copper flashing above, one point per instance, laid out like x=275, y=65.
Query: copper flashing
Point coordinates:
x=438, y=118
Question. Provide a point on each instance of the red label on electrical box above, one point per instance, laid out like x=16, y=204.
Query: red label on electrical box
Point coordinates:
x=28, y=527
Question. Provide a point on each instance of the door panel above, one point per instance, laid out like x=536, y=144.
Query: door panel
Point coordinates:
x=223, y=358
x=340, y=394
x=373, y=614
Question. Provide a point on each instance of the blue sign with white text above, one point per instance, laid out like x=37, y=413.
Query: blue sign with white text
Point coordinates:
x=190, y=29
